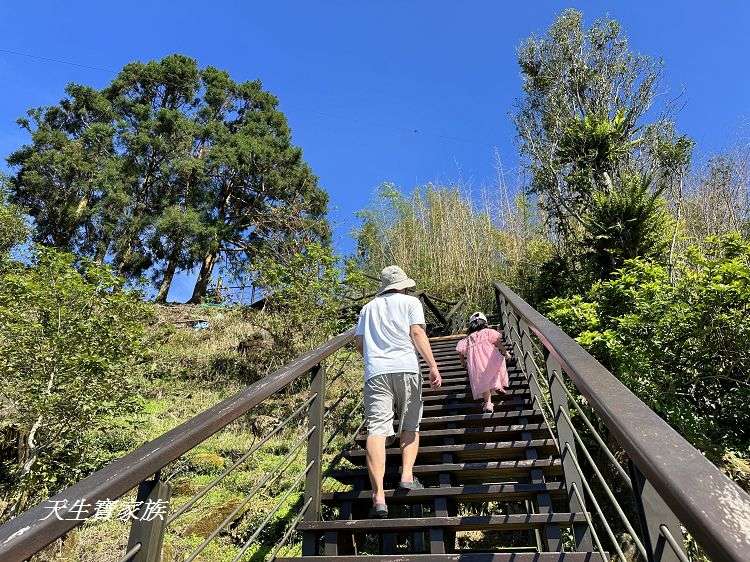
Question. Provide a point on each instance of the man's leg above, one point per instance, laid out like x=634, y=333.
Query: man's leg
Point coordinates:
x=409, y=448
x=376, y=466
x=379, y=417
x=410, y=405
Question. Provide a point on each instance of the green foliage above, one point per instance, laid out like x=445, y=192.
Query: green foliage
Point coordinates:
x=304, y=289
x=590, y=147
x=68, y=339
x=669, y=153
x=683, y=348
x=168, y=167
x=13, y=230
x=625, y=223
x=584, y=94
x=597, y=170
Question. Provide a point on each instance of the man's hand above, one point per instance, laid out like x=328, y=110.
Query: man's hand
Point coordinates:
x=419, y=337
x=436, y=381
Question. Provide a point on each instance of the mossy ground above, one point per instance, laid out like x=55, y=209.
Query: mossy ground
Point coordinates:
x=189, y=371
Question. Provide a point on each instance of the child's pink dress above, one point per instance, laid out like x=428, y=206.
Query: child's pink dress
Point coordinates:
x=486, y=365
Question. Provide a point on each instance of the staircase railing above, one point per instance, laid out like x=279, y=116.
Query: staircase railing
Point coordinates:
x=448, y=323
x=35, y=529
x=670, y=484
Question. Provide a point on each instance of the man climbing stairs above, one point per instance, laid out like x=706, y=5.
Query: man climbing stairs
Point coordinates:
x=493, y=484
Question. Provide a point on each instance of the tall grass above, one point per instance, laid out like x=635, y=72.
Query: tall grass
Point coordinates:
x=453, y=243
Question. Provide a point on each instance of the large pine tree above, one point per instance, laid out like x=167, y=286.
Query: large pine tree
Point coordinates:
x=170, y=167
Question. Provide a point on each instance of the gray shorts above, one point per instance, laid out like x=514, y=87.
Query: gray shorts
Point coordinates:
x=389, y=393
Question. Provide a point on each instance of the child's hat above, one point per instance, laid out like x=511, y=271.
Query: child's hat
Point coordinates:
x=477, y=316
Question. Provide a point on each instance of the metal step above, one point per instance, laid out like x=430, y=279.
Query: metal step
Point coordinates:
x=498, y=397
x=476, y=434
x=488, y=492
x=512, y=522
x=478, y=420
x=512, y=404
x=466, y=451
x=462, y=557
x=493, y=471
x=464, y=386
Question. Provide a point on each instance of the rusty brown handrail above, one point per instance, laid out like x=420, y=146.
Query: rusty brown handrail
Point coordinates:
x=30, y=532
x=714, y=509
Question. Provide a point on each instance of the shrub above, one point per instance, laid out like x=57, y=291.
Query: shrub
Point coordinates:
x=625, y=223
x=69, y=338
x=683, y=348
x=303, y=288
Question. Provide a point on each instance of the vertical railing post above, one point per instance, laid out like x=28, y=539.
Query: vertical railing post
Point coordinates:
x=552, y=535
x=500, y=305
x=314, y=454
x=652, y=514
x=565, y=436
x=149, y=520
x=513, y=333
x=505, y=319
x=526, y=349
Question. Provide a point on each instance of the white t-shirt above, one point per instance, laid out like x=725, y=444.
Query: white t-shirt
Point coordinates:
x=384, y=325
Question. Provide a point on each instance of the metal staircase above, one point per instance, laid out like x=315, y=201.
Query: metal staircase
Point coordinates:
x=468, y=461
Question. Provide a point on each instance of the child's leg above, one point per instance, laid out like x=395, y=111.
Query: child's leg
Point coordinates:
x=487, y=397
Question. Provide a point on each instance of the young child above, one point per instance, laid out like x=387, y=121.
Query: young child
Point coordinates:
x=486, y=365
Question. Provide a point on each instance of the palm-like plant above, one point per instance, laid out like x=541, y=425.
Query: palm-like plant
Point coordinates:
x=626, y=220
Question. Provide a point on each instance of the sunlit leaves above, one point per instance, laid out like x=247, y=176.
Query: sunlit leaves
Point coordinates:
x=683, y=347
x=69, y=339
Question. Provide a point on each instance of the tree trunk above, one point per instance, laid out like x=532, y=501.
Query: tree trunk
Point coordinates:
x=673, y=245
x=204, y=278
x=207, y=267
x=169, y=272
x=124, y=259
x=101, y=251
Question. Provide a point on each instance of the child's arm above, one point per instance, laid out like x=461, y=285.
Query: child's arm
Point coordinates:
x=502, y=348
x=461, y=349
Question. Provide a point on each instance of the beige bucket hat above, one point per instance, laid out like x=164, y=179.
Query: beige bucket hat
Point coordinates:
x=393, y=277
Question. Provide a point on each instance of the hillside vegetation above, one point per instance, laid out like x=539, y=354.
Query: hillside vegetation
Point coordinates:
x=195, y=370
x=152, y=368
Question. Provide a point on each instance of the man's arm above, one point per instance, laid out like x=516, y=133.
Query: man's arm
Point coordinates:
x=419, y=337
x=359, y=342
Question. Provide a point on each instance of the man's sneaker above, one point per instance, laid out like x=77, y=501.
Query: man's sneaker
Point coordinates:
x=413, y=485
x=379, y=510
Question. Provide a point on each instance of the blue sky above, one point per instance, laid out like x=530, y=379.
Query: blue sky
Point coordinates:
x=407, y=92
